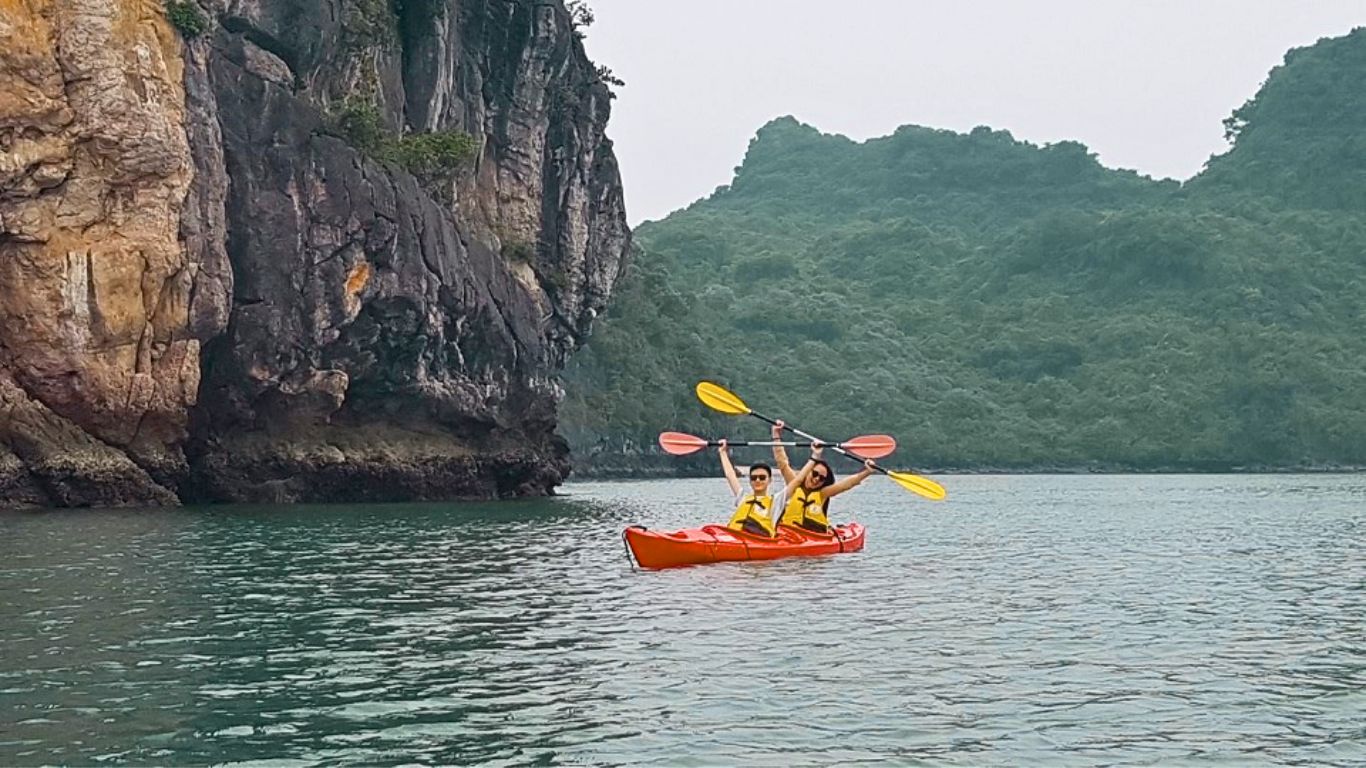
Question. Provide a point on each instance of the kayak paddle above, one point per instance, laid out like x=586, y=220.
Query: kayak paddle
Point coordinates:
x=865, y=446
x=719, y=398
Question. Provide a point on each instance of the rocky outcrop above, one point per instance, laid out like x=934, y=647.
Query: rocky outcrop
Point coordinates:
x=100, y=332
x=209, y=292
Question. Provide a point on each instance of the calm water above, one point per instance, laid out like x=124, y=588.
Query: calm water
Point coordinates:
x=1028, y=620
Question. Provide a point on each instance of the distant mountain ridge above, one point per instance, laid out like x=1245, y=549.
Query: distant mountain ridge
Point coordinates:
x=1302, y=139
x=996, y=304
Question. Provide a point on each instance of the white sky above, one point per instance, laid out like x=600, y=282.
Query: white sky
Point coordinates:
x=1145, y=85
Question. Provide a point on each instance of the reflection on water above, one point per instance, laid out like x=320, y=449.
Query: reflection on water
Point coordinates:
x=1059, y=620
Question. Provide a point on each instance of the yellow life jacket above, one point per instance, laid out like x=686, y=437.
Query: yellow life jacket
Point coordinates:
x=753, y=508
x=806, y=509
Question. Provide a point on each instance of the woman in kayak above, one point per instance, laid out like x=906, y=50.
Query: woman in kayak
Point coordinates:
x=809, y=504
x=754, y=510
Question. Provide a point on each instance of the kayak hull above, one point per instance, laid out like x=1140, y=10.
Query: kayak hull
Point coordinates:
x=719, y=544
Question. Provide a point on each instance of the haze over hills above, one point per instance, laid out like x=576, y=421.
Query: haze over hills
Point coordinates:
x=997, y=304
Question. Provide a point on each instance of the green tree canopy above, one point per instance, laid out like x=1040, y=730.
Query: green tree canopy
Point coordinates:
x=997, y=304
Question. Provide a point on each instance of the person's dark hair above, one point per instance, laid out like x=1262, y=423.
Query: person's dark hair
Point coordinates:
x=829, y=473
x=763, y=466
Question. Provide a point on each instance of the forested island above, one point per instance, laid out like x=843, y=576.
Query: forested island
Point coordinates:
x=998, y=305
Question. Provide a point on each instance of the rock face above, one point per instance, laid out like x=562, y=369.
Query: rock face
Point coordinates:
x=207, y=292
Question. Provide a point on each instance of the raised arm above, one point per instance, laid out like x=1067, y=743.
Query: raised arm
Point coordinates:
x=800, y=477
x=728, y=468
x=834, y=489
x=780, y=454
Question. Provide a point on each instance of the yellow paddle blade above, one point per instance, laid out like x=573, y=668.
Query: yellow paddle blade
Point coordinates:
x=921, y=485
x=718, y=398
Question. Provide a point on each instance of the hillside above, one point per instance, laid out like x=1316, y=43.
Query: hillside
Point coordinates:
x=996, y=304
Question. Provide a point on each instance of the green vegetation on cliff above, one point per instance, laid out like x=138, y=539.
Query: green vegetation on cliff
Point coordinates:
x=426, y=155
x=993, y=303
x=185, y=16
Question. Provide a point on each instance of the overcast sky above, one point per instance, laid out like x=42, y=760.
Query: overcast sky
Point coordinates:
x=1144, y=84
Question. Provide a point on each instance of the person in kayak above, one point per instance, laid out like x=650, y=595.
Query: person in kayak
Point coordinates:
x=808, y=506
x=754, y=511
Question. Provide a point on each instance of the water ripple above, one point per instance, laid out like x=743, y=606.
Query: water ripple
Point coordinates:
x=1059, y=620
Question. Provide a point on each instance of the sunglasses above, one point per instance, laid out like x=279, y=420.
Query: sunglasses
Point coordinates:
x=758, y=477
x=821, y=476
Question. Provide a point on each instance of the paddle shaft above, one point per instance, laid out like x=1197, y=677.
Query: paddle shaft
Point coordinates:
x=719, y=398
x=813, y=438
x=733, y=443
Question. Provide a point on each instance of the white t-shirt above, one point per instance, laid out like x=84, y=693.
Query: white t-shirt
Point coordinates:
x=779, y=500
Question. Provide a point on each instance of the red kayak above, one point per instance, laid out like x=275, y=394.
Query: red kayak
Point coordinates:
x=719, y=544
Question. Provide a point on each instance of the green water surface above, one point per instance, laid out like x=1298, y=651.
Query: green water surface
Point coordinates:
x=1078, y=620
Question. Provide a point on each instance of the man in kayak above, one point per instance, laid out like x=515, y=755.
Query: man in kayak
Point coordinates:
x=754, y=511
x=809, y=504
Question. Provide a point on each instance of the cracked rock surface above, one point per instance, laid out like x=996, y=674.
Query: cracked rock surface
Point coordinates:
x=207, y=293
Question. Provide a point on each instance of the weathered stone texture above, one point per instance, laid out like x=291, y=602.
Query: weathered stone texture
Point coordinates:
x=198, y=275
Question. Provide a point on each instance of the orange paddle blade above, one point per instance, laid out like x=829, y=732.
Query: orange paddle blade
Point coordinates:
x=870, y=446
x=680, y=443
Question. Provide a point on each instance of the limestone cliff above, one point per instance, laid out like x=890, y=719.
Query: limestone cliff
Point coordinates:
x=213, y=286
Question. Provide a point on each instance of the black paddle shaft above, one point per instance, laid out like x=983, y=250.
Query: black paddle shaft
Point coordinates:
x=800, y=433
